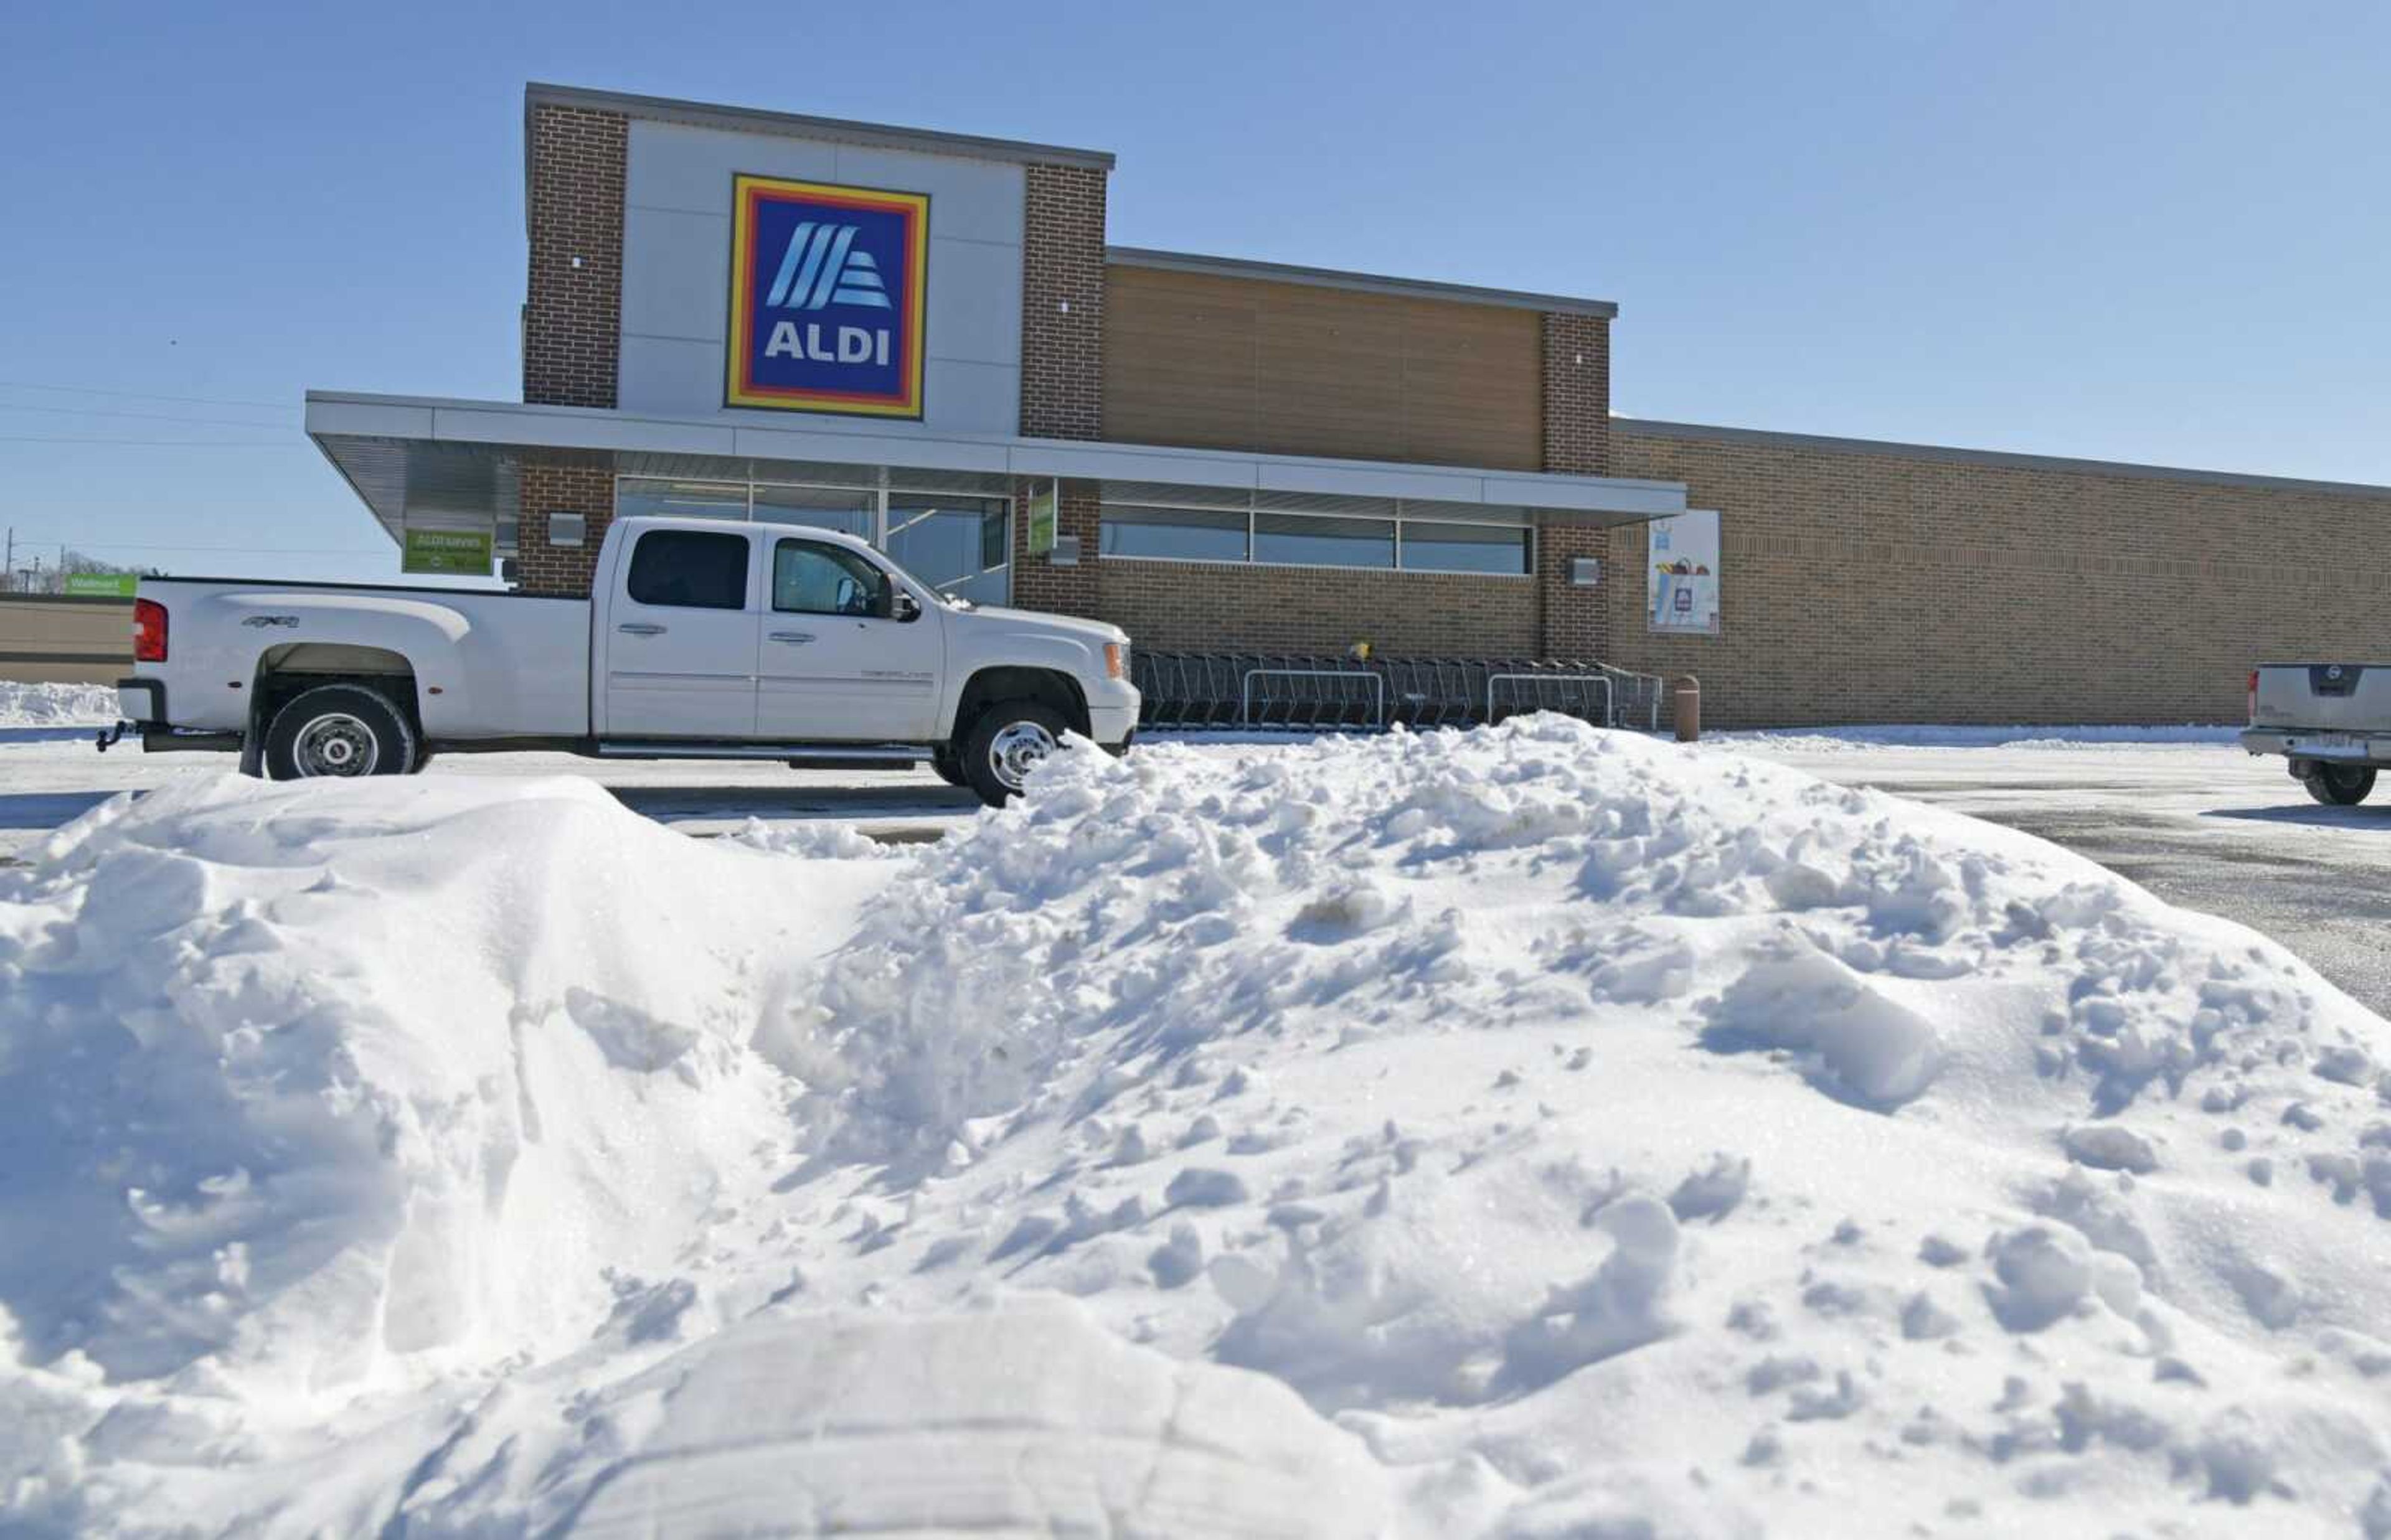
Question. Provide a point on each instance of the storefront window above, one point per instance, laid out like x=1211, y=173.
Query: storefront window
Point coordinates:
x=1173, y=534
x=637, y=495
x=961, y=547
x=1301, y=540
x=958, y=545
x=1317, y=539
x=1464, y=548
x=847, y=511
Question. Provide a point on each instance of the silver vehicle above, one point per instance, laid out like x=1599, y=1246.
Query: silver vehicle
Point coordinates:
x=2332, y=721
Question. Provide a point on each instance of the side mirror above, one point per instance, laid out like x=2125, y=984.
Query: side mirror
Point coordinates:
x=900, y=605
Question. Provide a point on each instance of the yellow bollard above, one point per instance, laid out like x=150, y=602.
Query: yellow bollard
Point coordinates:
x=1687, y=700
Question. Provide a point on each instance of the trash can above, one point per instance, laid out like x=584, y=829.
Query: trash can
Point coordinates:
x=1687, y=700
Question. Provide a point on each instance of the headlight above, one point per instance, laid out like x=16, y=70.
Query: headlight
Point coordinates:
x=1115, y=660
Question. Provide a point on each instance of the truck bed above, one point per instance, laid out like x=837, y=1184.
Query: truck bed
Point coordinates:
x=488, y=663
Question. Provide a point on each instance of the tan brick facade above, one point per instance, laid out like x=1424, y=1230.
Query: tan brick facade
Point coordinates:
x=548, y=488
x=1864, y=585
x=573, y=293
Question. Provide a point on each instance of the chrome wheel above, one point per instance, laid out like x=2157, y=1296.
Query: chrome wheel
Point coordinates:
x=335, y=744
x=1016, y=750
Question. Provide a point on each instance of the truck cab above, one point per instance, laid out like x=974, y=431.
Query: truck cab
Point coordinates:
x=703, y=639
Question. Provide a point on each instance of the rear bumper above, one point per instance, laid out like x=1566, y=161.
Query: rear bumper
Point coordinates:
x=2310, y=743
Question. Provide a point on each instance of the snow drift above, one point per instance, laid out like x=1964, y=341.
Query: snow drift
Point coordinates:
x=1523, y=1132
x=24, y=705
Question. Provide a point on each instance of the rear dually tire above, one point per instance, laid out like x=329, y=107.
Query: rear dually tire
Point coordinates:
x=339, y=731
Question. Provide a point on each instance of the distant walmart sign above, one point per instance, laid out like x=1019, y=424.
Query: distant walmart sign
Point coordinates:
x=99, y=586
x=828, y=287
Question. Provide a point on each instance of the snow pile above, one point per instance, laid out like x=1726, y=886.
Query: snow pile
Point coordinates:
x=1528, y=1132
x=24, y=705
x=316, y=1092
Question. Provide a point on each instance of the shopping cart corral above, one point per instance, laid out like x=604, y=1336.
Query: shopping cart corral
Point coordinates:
x=1312, y=693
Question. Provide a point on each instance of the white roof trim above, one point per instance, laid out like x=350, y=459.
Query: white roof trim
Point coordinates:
x=340, y=416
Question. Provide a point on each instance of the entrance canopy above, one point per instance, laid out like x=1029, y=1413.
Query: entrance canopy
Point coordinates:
x=445, y=463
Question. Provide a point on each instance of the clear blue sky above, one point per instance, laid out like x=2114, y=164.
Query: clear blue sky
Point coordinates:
x=2138, y=231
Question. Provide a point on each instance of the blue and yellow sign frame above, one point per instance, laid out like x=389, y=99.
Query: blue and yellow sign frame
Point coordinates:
x=829, y=297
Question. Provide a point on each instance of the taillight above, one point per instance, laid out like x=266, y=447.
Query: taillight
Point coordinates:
x=2253, y=697
x=149, y=632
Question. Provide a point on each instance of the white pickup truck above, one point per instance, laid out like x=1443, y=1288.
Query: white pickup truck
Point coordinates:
x=2333, y=721
x=703, y=640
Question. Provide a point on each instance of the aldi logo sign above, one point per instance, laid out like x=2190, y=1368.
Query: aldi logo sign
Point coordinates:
x=828, y=287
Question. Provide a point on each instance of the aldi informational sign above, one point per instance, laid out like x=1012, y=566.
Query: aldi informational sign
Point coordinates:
x=1685, y=570
x=450, y=553
x=1044, y=498
x=828, y=287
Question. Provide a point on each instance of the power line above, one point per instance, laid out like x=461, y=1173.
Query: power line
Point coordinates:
x=138, y=395
x=144, y=417
x=162, y=443
x=81, y=545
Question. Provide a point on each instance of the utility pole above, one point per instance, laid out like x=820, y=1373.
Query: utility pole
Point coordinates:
x=8, y=566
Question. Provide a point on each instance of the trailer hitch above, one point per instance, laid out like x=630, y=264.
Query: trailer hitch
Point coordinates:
x=109, y=736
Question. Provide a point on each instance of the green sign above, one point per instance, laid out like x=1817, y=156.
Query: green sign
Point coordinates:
x=449, y=553
x=110, y=586
x=1042, y=517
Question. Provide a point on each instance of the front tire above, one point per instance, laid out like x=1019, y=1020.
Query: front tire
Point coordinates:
x=2339, y=785
x=1005, y=744
x=339, y=732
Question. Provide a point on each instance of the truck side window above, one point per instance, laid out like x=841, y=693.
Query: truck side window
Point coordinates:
x=825, y=580
x=690, y=570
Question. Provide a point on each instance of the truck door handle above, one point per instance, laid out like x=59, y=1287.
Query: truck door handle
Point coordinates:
x=793, y=636
x=640, y=628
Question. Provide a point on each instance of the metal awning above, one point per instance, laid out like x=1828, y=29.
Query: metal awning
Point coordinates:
x=434, y=462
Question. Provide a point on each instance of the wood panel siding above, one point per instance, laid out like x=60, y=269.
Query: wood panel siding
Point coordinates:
x=1217, y=363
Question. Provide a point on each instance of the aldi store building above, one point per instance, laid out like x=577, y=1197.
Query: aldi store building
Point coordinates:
x=924, y=339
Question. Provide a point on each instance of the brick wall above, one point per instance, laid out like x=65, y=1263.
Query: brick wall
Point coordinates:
x=1573, y=622
x=549, y=487
x=1063, y=302
x=1861, y=584
x=1576, y=363
x=572, y=322
x=1206, y=605
x=1038, y=583
x=1062, y=368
